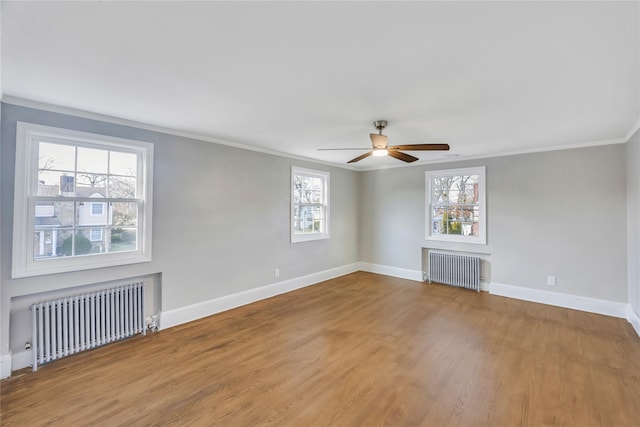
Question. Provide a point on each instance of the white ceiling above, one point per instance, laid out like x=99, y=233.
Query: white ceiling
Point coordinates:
x=484, y=77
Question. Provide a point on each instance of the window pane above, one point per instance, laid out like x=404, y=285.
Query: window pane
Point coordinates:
x=48, y=243
x=441, y=187
x=308, y=189
x=454, y=227
x=62, y=246
x=122, y=187
x=92, y=213
x=123, y=163
x=85, y=246
x=471, y=194
x=438, y=227
x=315, y=190
x=124, y=214
x=91, y=185
x=53, y=214
x=309, y=219
x=315, y=196
x=56, y=156
x=91, y=160
x=123, y=239
x=97, y=237
x=54, y=184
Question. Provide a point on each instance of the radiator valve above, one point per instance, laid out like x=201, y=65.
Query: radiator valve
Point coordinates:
x=152, y=323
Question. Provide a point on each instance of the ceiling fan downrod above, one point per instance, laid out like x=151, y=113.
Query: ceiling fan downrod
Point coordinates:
x=380, y=125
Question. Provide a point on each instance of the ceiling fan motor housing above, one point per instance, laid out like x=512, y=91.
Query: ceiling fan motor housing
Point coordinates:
x=380, y=125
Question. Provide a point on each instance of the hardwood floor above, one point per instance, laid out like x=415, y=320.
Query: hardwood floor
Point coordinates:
x=360, y=350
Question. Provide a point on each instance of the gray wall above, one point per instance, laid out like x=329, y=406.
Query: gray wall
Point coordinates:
x=559, y=213
x=220, y=221
x=633, y=220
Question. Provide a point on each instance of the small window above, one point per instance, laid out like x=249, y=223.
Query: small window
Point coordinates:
x=97, y=208
x=456, y=205
x=96, y=235
x=58, y=224
x=309, y=205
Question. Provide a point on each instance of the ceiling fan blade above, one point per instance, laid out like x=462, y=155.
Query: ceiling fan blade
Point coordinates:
x=363, y=156
x=342, y=149
x=378, y=141
x=402, y=156
x=421, y=147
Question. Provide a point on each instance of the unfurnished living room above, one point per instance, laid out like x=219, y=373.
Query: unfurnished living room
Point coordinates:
x=332, y=213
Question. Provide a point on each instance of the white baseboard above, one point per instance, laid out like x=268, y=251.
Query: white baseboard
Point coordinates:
x=5, y=366
x=387, y=270
x=634, y=319
x=591, y=305
x=199, y=310
x=207, y=308
x=24, y=359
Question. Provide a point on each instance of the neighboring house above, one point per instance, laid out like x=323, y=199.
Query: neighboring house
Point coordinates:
x=53, y=221
x=456, y=215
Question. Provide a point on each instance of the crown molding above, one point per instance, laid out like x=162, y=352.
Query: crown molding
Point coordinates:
x=27, y=103
x=507, y=153
x=632, y=131
x=21, y=102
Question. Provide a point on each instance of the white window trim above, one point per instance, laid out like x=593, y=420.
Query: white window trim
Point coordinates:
x=295, y=238
x=27, y=137
x=481, y=239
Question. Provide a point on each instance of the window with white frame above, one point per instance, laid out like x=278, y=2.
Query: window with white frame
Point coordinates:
x=96, y=235
x=58, y=224
x=309, y=205
x=97, y=208
x=456, y=210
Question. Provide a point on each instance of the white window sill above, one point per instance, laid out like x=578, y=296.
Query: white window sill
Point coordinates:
x=296, y=238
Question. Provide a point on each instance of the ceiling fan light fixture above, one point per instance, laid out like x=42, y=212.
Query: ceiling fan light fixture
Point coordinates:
x=380, y=147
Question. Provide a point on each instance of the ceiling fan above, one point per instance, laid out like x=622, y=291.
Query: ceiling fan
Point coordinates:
x=381, y=147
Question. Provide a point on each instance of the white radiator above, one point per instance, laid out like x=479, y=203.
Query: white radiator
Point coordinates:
x=69, y=325
x=455, y=270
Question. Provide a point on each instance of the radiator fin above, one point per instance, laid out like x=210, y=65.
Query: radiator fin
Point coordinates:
x=69, y=325
x=455, y=270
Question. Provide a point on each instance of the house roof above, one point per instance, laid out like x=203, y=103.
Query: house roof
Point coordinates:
x=54, y=191
x=47, y=221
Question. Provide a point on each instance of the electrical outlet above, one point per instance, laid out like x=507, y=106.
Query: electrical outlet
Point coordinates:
x=551, y=280
x=276, y=272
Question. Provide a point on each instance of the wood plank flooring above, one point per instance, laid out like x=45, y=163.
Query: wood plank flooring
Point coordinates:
x=359, y=350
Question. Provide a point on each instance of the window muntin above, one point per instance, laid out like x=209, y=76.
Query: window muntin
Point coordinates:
x=63, y=174
x=456, y=205
x=309, y=205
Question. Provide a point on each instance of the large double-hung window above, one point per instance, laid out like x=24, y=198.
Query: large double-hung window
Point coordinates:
x=309, y=205
x=81, y=201
x=456, y=208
